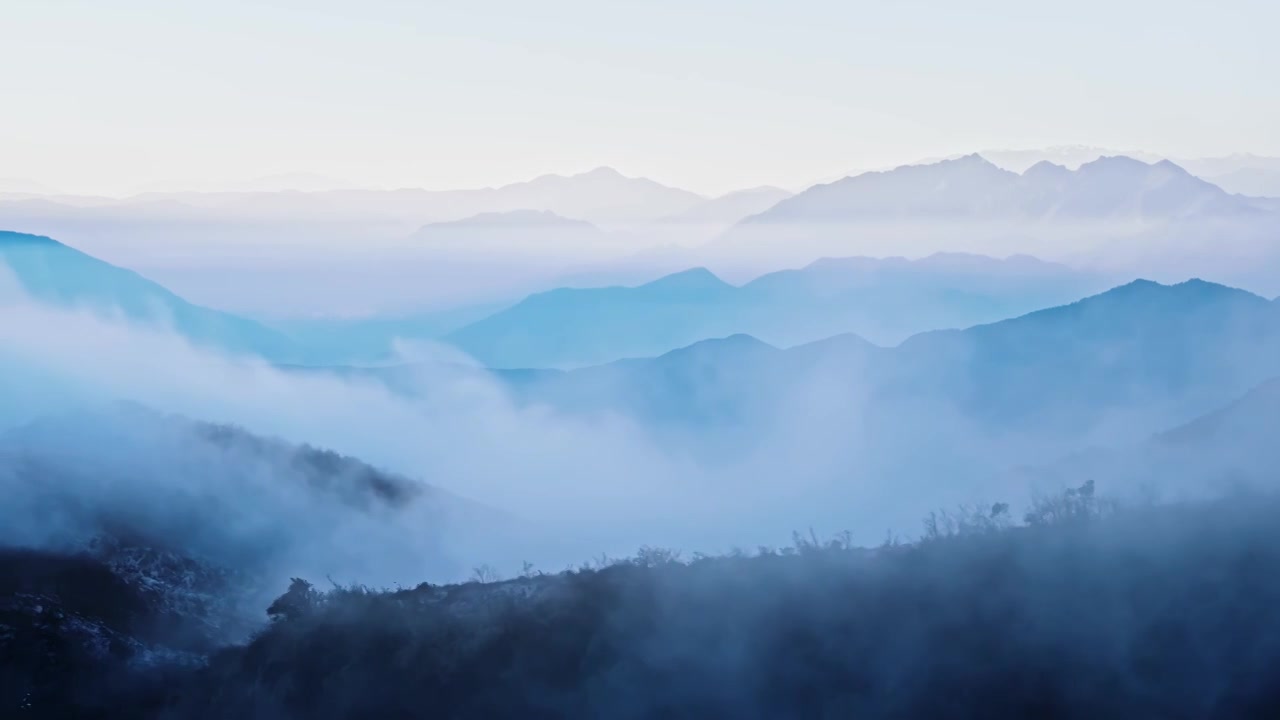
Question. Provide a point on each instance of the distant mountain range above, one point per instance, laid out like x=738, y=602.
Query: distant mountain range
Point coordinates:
x=226, y=237
x=941, y=415
x=882, y=435
x=1119, y=364
x=51, y=273
x=1121, y=214
x=601, y=196
x=972, y=187
x=1115, y=213
x=1241, y=173
x=1111, y=369
x=884, y=300
x=605, y=197
x=1114, y=363
x=1068, y=156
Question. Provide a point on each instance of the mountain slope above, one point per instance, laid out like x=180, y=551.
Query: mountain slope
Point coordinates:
x=570, y=326
x=967, y=186
x=133, y=543
x=875, y=437
x=1125, y=362
x=1120, y=187
x=1178, y=349
x=53, y=273
x=1227, y=449
x=220, y=494
x=884, y=300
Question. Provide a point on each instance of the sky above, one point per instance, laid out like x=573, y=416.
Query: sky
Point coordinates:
x=712, y=95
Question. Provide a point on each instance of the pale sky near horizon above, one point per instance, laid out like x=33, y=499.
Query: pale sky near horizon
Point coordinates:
x=711, y=95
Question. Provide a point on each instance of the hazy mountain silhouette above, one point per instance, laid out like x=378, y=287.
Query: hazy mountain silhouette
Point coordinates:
x=884, y=300
x=966, y=186
x=518, y=231
x=53, y=273
x=580, y=326
x=1115, y=365
x=709, y=385
x=1241, y=173
x=1179, y=349
x=1254, y=414
x=732, y=207
x=971, y=187
x=1230, y=448
x=602, y=195
x=1114, y=213
x=1247, y=175
x=1127, y=218
x=1070, y=156
x=255, y=236
x=1251, y=181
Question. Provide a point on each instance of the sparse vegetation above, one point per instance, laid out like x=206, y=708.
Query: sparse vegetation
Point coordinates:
x=1083, y=610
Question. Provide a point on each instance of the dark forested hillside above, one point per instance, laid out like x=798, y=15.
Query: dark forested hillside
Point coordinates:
x=1077, y=609
x=230, y=498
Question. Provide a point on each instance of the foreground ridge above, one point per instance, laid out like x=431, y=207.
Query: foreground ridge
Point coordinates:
x=1081, y=610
